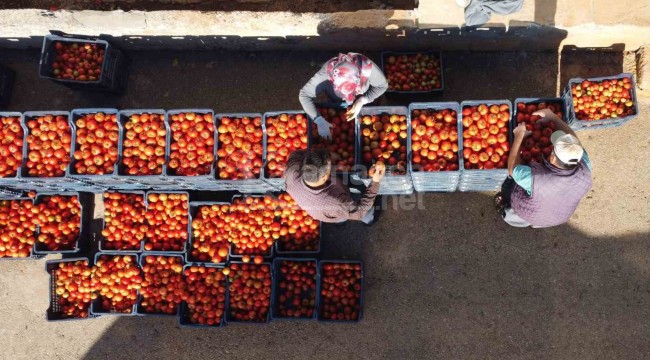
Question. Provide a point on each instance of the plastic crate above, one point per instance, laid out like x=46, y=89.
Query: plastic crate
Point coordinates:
x=102, y=239
x=40, y=249
x=31, y=256
x=95, y=306
x=278, y=184
x=98, y=180
x=194, y=208
x=390, y=184
x=577, y=124
x=144, y=180
x=113, y=77
x=319, y=301
x=189, y=223
x=7, y=77
x=275, y=312
x=315, y=138
x=14, y=180
x=436, y=53
x=9, y=193
x=279, y=251
x=258, y=185
x=231, y=253
x=437, y=181
x=189, y=180
x=183, y=315
x=229, y=319
x=481, y=180
x=33, y=182
x=53, y=312
x=141, y=262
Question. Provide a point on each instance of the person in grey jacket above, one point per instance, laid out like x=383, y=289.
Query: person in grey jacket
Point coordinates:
x=351, y=78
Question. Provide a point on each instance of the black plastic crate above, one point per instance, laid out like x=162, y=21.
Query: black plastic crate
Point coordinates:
x=433, y=53
x=113, y=77
x=229, y=318
x=7, y=77
x=277, y=277
x=84, y=216
x=53, y=312
x=143, y=256
x=96, y=305
x=319, y=300
x=32, y=256
x=183, y=315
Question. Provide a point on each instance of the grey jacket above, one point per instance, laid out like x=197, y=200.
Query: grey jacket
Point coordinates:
x=320, y=82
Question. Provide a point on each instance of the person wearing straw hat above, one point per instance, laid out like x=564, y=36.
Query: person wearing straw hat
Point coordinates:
x=351, y=78
x=548, y=193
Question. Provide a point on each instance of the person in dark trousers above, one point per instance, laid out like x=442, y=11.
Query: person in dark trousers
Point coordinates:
x=351, y=78
x=546, y=194
x=325, y=197
x=478, y=12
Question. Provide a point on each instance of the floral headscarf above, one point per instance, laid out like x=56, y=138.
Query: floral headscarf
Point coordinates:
x=349, y=74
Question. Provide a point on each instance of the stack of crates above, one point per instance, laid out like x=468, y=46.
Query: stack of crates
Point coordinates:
x=481, y=180
x=577, y=124
x=390, y=184
x=437, y=181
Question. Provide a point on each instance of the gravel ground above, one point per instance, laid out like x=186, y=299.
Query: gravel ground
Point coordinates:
x=447, y=279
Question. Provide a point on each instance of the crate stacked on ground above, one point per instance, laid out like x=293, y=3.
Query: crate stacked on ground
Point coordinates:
x=435, y=145
x=47, y=159
x=538, y=145
x=286, y=131
x=17, y=229
x=62, y=220
x=191, y=148
x=167, y=218
x=162, y=288
x=210, y=229
x=240, y=153
x=255, y=227
x=13, y=147
x=485, y=128
x=601, y=103
x=340, y=290
x=124, y=224
x=71, y=290
x=413, y=72
x=249, y=292
x=83, y=64
x=294, y=293
x=143, y=150
x=96, y=135
x=116, y=280
x=7, y=77
x=384, y=133
x=299, y=233
x=344, y=138
x=207, y=296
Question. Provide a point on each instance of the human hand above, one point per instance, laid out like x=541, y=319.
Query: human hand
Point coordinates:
x=378, y=171
x=323, y=128
x=521, y=132
x=355, y=109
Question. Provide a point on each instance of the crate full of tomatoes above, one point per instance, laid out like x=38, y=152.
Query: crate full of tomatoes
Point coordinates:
x=340, y=296
x=294, y=292
x=538, y=145
x=286, y=132
x=344, y=137
x=435, y=145
x=12, y=147
x=486, y=128
x=83, y=64
x=413, y=72
x=71, y=289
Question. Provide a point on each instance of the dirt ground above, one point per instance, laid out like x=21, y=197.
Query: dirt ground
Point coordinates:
x=445, y=280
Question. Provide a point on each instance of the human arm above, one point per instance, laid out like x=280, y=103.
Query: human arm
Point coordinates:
x=514, y=158
x=548, y=115
x=357, y=210
x=308, y=92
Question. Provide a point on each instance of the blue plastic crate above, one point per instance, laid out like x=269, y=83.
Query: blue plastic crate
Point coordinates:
x=183, y=315
x=275, y=312
x=231, y=254
x=31, y=256
x=14, y=180
x=319, y=300
x=194, y=208
x=444, y=181
x=40, y=249
x=279, y=251
x=113, y=77
x=148, y=180
x=142, y=261
x=53, y=312
x=189, y=223
x=102, y=239
x=95, y=306
x=229, y=319
x=100, y=180
x=435, y=53
x=33, y=182
x=9, y=193
x=390, y=184
x=481, y=180
x=578, y=124
x=278, y=183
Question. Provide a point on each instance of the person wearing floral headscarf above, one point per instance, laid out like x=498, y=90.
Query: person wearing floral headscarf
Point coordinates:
x=351, y=78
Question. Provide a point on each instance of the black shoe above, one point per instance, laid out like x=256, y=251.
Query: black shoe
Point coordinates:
x=499, y=205
x=378, y=211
